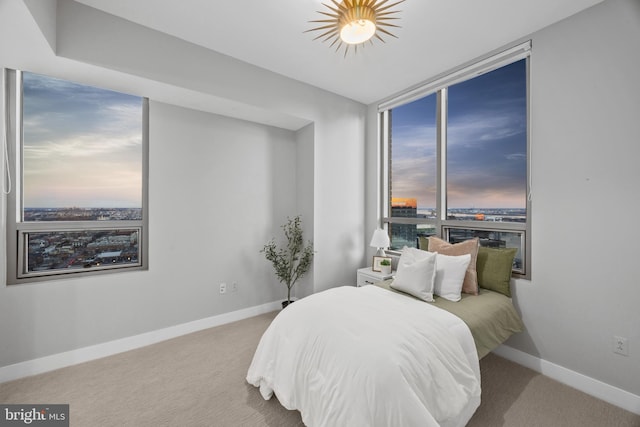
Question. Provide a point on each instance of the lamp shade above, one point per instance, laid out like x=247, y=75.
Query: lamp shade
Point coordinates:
x=380, y=239
x=357, y=31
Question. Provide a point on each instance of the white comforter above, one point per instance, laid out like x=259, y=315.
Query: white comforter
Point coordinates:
x=369, y=357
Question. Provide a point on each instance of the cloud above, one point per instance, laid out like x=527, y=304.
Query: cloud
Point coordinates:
x=413, y=159
x=486, y=162
x=519, y=157
x=82, y=145
x=85, y=147
x=482, y=126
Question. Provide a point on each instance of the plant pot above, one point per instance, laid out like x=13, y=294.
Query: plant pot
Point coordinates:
x=385, y=269
x=286, y=303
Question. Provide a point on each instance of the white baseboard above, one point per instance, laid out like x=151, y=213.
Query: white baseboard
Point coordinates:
x=593, y=387
x=85, y=354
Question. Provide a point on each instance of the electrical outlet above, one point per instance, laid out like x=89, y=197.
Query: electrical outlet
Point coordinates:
x=234, y=287
x=223, y=288
x=621, y=345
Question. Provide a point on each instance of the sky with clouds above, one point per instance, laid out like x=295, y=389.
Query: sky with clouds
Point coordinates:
x=486, y=143
x=82, y=145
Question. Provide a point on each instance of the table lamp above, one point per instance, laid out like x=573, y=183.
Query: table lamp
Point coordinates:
x=380, y=240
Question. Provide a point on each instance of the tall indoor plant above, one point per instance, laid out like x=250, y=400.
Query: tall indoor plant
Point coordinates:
x=293, y=260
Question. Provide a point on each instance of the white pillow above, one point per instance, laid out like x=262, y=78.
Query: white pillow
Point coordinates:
x=450, y=275
x=416, y=273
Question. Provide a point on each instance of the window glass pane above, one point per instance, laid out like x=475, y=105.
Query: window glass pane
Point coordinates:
x=409, y=234
x=493, y=239
x=403, y=235
x=82, y=147
x=66, y=250
x=487, y=146
x=413, y=159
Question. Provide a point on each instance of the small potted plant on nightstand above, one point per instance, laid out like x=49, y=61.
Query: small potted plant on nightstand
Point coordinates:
x=385, y=266
x=292, y=261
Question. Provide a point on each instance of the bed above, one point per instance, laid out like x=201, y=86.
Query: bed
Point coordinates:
x=362, y=356
x=379, y=356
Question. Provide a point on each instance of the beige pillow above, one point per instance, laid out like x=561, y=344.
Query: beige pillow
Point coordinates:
x=470, y=284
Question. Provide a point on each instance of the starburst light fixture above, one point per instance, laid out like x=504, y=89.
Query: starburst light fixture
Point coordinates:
x=354, y=22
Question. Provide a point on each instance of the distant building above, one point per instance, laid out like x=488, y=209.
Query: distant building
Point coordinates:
x=404, y=234
x=107, y=258
x=399, y=204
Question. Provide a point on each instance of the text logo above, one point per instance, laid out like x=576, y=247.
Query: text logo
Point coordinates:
x=34, y=415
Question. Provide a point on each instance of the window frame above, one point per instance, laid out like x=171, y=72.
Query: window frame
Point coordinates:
x=439, y=86
x=18, y=230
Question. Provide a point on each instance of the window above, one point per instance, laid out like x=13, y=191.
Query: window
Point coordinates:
x=78, y=167
x=455, y=158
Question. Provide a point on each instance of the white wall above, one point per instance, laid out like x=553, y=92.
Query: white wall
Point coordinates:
x=585, y=104
x=305, y=193
x=585, y=133
x=219, y=187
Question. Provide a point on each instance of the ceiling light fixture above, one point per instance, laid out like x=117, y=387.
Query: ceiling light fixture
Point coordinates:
x=354, y=22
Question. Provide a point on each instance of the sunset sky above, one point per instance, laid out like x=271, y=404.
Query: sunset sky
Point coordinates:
x=82, y=145
x=487, y=143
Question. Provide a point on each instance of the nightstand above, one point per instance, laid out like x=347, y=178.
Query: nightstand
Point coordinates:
x=366, y=276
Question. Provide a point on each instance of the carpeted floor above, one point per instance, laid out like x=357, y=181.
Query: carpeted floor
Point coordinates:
x=199, y=380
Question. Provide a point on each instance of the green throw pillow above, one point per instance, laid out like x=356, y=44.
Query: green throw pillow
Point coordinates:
x=494, y=269
x=423, y=243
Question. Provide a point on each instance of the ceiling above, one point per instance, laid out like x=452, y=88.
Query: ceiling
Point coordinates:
x=435, y=36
